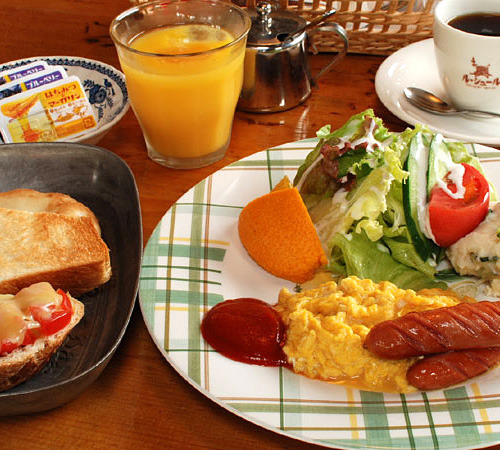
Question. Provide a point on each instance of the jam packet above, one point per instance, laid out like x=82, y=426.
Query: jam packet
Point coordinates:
x=19, y=72
x=56, y=111
x=32, y=81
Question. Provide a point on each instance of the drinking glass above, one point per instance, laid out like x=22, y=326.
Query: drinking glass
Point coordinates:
x=183, y=65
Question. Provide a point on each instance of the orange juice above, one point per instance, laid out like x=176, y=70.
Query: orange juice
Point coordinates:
x=185, y=101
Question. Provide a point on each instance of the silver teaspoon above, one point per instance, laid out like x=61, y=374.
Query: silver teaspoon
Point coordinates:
x=430, y=103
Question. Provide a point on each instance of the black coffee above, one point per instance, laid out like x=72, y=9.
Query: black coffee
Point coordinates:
x=484, y=24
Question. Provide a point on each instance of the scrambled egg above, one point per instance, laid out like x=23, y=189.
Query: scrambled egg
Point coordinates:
x=326, y=328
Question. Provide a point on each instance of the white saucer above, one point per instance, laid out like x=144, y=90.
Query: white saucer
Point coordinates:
x=415, y=65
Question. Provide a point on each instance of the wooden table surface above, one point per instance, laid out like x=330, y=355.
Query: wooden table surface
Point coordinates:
x=140, y=401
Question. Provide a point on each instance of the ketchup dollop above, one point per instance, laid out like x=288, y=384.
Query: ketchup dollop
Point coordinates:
x=246, y=330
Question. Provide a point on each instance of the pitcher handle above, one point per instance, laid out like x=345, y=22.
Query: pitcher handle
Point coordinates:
x=338, y=29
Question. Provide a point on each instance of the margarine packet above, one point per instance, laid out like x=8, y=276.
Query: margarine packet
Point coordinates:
x=19, y=72
x=32, y=81
x=55, y=111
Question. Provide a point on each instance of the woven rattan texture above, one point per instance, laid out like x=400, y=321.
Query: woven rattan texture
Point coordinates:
x=377, y=27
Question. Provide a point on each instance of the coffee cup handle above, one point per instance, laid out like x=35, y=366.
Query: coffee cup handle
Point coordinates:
x=339, y=30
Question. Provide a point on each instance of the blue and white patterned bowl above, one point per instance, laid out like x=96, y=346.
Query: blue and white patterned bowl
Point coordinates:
x=103, y=84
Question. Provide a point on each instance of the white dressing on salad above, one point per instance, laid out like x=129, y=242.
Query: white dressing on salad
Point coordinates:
x=422, y=155
x=369, y=139
x=454, y=170
x=456, y=176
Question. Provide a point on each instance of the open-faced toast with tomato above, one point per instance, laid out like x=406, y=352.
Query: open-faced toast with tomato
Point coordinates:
x=50, y=237
x=34, y=324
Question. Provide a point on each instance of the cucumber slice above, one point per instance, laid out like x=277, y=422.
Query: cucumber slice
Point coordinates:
x=440, y=162
x=415, y=195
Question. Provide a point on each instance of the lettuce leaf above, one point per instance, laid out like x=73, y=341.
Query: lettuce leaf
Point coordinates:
x=367, y=259
x=363, y=205
x=403, y=251
x=353, y=130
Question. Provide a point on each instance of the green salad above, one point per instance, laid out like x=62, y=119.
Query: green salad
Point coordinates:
x=369, y=192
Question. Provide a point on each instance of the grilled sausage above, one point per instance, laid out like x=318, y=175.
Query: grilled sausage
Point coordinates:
x=443, y=370
x=460, y=327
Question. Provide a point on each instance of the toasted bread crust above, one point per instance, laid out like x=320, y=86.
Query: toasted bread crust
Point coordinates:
x=65, y=251
x=24, y=362
x=55, y=202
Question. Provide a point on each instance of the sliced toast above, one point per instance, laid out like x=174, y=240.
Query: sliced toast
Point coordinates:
x=65, y=251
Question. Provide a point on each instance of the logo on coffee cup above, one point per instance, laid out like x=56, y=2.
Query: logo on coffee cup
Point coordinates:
x=480, y=77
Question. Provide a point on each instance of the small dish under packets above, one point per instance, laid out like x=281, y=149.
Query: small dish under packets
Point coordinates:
x=103, y=85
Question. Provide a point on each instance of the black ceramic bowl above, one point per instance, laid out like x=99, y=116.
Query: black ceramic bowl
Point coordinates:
x=103, y=182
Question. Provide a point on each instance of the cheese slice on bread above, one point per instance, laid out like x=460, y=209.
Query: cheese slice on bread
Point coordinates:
x=25, y=361
x=63, y=249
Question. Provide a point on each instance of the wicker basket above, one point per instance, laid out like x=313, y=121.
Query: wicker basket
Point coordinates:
x=377, y=27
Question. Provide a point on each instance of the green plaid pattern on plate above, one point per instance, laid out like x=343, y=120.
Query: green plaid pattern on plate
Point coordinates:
x=194, y=259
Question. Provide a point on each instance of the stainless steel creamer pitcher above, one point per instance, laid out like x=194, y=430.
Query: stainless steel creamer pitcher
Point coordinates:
x=277, y=75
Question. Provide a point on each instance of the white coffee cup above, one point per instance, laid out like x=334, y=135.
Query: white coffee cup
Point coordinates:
x=468, y=64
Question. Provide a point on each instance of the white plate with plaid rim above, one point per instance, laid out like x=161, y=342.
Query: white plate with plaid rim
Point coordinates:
x=194, y=260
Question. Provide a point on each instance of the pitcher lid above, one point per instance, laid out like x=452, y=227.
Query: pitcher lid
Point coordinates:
x=270, y=26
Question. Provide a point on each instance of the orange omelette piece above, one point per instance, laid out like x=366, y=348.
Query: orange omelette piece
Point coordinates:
x=278, y=233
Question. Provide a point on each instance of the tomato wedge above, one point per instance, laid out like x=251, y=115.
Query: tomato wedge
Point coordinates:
x=52, y=320
x=452, y=218
x=7, y=347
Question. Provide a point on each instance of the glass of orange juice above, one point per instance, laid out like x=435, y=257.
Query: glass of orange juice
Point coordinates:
x=183, y=65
